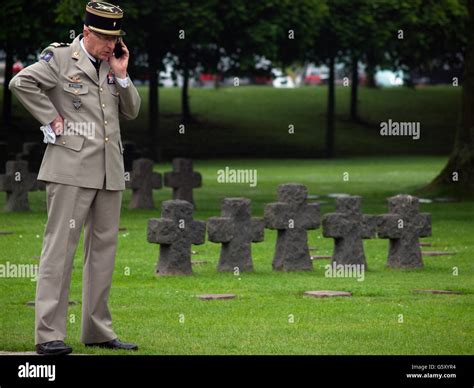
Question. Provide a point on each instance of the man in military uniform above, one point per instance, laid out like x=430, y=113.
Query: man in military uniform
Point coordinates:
x=78, y=92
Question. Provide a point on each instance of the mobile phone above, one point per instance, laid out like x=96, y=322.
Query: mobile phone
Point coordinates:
x=118, y=52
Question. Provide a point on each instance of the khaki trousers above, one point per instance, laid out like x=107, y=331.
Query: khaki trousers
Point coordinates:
x=69, y=208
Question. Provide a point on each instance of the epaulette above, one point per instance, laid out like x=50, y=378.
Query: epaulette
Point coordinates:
x=56, y=44
x=47, y=53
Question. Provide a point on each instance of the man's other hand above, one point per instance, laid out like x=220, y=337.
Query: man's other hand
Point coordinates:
x=58, y=125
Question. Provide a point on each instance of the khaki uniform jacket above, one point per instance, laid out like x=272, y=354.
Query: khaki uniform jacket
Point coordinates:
x=65, y=82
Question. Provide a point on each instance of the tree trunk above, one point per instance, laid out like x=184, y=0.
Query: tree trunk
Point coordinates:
x=457, y=178
x=185, y=110
x=354, y=89
x=153, y=107
x=408, y=79
x=7, y=95
x=370, y=69
x=217, y=80
x=330, y=111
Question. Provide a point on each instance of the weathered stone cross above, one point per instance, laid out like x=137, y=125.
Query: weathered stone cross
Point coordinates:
x=236, y=230
x=348, y=226
x=403, y=226
x=17, y=182
x=183, y=179
x=175, y=231
x=142, y=182
x=292, y=216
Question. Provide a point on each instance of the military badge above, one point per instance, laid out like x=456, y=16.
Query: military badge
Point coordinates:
x=47, y=56
x=76, y=87
x=77, y=103
x=110, y=78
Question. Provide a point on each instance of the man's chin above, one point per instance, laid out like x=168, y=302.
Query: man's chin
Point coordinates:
x=105, y=57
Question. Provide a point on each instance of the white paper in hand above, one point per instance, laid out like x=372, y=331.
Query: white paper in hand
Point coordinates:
x=49, y=135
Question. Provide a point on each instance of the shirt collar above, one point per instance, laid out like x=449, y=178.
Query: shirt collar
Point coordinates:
x=88, y=55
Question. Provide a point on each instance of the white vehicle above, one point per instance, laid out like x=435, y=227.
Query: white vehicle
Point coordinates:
x=387, y=78
x=166, y=77
x=281, y=80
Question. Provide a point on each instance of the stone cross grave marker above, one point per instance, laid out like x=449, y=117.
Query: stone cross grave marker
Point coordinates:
x=236, y=230
x=183, y=179
x=348, y=226
x=142, y=182
x=292, y=217
x=17, y=182
x=32, y=152
x=175, y=231
x=403, y=226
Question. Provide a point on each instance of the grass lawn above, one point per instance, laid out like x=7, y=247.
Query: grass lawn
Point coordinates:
x=252, y=121
x=147, y=309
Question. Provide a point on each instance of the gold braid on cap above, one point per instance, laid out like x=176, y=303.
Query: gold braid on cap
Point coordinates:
x=105, y=10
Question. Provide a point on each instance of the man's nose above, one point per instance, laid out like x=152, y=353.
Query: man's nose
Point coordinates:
x=111, y=45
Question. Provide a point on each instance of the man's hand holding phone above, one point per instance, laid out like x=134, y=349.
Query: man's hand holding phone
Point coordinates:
x=119, y=63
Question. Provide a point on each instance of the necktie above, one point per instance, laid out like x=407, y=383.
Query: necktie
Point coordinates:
x=96, y=65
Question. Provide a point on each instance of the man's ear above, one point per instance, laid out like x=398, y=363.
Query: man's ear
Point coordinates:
x=85, y=32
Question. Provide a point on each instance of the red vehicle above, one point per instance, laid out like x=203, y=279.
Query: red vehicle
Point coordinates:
x=207, y=77
x=262, y=80
x=312, y=79
x=17, y=67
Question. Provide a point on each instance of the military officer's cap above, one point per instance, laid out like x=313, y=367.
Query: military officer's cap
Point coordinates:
x=104, y=18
